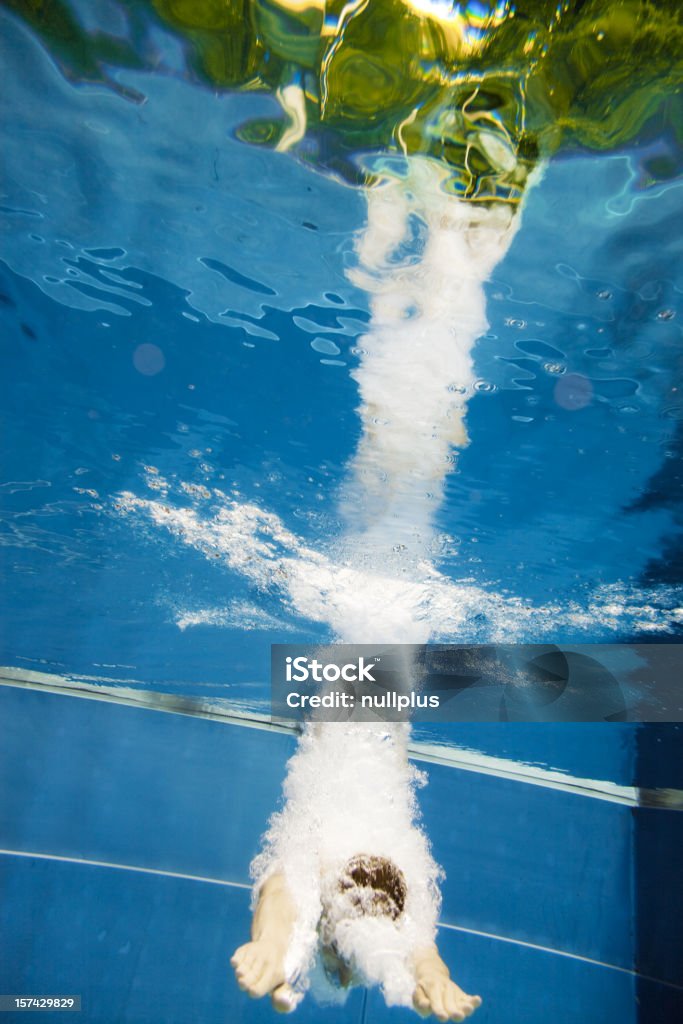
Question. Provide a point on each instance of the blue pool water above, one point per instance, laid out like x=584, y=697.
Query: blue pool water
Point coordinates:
x=177, y=318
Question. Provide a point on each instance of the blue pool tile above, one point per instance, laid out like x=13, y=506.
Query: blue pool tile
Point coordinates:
x=107, y=782
x=138, y=948
x=659, y=894
x=520, y=985
x=536, y=864
x=114, y=783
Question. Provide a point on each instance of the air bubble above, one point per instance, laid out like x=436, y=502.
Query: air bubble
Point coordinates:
x=556, y=369
x=148, y=359
x=573, y=392
x=604, y=294
x=484, y=385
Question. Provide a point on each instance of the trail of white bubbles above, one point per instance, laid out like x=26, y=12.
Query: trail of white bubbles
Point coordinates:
x=423, y=259
x=350, y=598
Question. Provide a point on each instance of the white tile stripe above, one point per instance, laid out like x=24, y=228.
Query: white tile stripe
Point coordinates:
x=124, y=867
x=559, y=952
x=517, y=771
x=28, y=854
x=449, y=756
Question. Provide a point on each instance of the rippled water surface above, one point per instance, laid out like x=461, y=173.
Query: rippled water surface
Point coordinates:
x=181, y=396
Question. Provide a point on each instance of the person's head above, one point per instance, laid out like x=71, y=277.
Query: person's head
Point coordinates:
x=367, y=886
x=373, y=885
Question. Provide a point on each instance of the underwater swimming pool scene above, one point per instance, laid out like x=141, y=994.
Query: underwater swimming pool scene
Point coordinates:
x=325, y=321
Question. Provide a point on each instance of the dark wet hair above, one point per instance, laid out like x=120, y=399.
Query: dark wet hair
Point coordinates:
x=375, y=885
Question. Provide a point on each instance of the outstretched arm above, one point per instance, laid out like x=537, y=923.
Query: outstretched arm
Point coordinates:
x=435, y=992
x=259, y=964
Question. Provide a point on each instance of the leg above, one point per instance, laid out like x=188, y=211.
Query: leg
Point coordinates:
x=259, y=964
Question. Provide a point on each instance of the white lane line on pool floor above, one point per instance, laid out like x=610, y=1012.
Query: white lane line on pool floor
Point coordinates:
x=32, y=855
x=558, y=952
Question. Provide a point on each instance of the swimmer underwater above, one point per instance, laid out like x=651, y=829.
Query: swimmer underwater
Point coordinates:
x=346, y=890
x=370, y=886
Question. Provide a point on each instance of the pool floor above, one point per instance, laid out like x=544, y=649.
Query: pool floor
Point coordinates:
x=125, y=843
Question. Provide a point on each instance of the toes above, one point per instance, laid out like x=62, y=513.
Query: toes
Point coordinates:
x=438, y=996
x=259, y=989
x=247, y=975
x=282, y=999
x=250, y=966
x=421, y=1001
x=238, y=956
x=469, y=1004
x=243, y=959
x=459, y=1004
x=262, y=979
x=452, y=1003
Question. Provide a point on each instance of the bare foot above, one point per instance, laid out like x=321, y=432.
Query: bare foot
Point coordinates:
x=436, y=993
x=259, y=968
